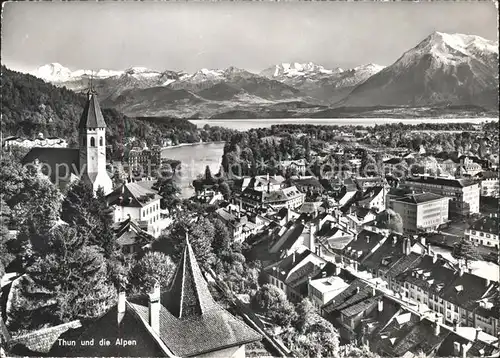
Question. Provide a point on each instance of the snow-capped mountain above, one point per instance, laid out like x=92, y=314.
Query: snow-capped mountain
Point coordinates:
x=329, y=85
x=284, y=70
x=56, y=73
x=443, y=69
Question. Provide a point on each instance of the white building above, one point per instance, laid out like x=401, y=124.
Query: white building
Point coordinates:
x=484, y=231
x=424, y=211
x=141, y=205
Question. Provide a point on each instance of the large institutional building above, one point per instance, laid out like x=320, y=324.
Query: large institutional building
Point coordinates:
x=464, y=193
x=88, y=162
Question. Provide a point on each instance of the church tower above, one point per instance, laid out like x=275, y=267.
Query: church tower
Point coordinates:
x=92, y=144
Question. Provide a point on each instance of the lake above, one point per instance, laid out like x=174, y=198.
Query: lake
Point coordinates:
x=194, y=159
x=246, y=124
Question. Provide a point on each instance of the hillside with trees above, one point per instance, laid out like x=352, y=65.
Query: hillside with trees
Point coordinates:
x=31, y=106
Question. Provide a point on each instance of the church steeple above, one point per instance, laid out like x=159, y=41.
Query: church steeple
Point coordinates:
x=92, y=142
x=92, y=115
x=189, y=295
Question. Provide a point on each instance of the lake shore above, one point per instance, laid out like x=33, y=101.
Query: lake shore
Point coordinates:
x=191, y=144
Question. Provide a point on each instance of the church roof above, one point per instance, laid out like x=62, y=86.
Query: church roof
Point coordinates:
x=92, y=115
x=56, y=161
x=188, y=295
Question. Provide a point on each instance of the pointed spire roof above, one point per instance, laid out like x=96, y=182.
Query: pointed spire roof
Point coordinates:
x=189, y=295
x=92, y=115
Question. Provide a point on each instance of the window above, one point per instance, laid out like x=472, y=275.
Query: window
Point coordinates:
x=92, y=142
x=101, y=141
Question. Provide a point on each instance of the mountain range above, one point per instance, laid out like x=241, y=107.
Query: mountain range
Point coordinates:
x=445, y=73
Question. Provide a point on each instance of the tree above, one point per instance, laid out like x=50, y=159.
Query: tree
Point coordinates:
x=67, y=282
x=154, y=266
x=201, y=235
x=353, y=351
x=222, y=238
x=466, y=251
x=225, y=190
x=208, y=175
x=83, y=210
x=169, y=191
x=391, y=220
x=272, y=302
x=312, y=335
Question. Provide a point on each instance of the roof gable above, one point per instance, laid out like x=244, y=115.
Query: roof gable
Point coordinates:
x=188, y=296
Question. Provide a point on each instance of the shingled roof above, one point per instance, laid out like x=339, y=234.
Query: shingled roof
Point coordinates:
x=188, y=295
x=191, y=323
x=132, y=195
x=92, y=115
x=487, y=224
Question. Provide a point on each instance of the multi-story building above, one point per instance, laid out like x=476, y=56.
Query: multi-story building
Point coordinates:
x=239, y=223
x=485, y=231
x=421, y=212
x=142, y=157
x=489, y=183
x=297, y=165
x=290, y=198
x=132, y=201
x=291, y=274
x=464, y=193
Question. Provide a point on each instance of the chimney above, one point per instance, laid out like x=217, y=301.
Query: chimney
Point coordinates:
x=121, y=305
x=434, y=257
x=154, y=308
x=407, y=246
x=478, y=331
x=461, y=271
x=380, y=305
x=394, y=241
x=338, y=270
x=357, y=289
x=429, y=249
x=422, y=241
x=464, y=350
x=456, y=324
x=437, y=329
x=293, y=257
x=374, y=291
x=267, y=177
x=312, y=244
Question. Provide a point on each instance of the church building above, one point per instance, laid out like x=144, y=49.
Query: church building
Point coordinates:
x=88, y=162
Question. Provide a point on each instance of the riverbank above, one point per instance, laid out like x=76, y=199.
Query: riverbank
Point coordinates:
x=191, y=144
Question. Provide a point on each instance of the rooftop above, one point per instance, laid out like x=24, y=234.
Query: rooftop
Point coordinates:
x=452, y=182
x=132, y=195
x=489, y=224
x=419, y=198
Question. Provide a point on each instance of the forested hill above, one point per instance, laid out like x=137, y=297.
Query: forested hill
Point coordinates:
x=31, y=106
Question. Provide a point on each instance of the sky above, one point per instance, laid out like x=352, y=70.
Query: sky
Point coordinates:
x=189, y=36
